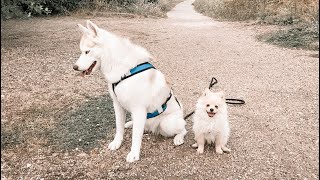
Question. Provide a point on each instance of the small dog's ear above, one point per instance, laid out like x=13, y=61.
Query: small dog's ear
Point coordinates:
x=221, y=94
x=92, y=28
x=206, y=92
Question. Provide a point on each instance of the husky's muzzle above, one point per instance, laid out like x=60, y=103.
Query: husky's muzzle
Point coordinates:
x=85, y=72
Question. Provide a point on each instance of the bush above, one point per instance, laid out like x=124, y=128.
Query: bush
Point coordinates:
x=228, y=9
x=27, y=8
x=289, y=10
x=156, y=8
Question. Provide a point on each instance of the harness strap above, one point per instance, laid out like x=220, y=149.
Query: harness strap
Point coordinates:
x=159, y=111
x=177, y=102
x=138, y=69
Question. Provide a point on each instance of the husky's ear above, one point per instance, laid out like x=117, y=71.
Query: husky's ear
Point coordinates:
x=206, y=92
x=221, y=94
x=83, y=29
x=92, y=28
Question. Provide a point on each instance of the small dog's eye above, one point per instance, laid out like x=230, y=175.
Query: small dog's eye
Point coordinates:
x=208, y=105
x=87, y=52
x=216, y=106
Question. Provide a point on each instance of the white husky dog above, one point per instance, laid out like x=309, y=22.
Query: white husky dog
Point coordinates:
x=141, y=94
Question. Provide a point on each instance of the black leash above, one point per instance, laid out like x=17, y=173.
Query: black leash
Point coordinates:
x=187, y=116
x=228, y=101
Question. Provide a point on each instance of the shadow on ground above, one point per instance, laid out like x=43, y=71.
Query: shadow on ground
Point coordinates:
x=10, y=138
x=84, y=126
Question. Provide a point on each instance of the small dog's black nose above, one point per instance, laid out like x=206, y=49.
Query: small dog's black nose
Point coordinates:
x=211, y=110
x=75, y=67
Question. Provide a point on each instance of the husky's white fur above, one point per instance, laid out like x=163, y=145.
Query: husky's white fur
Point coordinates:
x=210, y=122
x=142, y=93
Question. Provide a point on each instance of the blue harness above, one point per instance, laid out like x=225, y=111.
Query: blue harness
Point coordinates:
x=138, y=69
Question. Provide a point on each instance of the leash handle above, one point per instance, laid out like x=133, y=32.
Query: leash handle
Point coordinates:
x=213, y=83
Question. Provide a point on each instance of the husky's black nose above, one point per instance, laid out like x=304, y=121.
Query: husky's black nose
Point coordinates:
x=75, y=67
x=211, y=110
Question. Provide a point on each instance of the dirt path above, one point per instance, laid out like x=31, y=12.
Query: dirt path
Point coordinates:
x=56, y=125
x=185, y=15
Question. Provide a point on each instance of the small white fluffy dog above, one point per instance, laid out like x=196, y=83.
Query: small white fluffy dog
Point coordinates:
x=139, y=94
x=210, y=122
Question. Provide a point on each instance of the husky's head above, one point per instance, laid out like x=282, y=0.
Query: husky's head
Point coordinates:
x=91, y=49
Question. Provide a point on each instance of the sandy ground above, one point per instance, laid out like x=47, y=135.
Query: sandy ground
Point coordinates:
x=56, y=125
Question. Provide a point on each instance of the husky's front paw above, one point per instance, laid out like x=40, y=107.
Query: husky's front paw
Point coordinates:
x=131, y=157
x=219, y=150
x=178, y=139
x=115, y=144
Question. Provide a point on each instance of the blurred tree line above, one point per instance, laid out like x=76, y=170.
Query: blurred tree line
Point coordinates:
x=28, y=8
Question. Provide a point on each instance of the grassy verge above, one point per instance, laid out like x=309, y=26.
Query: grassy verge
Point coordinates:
x=301, y=37
x=138, y=8
x=300, y=18
x=31, y=8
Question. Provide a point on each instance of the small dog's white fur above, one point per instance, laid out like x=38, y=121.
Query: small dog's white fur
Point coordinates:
x=142, y=93
x=214, y=129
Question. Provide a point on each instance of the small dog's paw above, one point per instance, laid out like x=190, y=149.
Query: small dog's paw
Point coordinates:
x=225, y=149
x=131, y=157
x=128, y=124
x=195, y=145
x=199, y=151
x=219, y=150
x=178, y=140
x=114, y=145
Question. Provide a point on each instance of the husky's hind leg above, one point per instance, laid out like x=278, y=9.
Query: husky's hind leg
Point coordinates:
x=174, y=126
x=179, y=138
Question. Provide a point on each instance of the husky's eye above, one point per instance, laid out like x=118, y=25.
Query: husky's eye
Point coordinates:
x=208, y=105
x=216, y=106
x=87, y=52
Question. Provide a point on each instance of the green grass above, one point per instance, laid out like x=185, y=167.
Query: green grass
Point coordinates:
x=157, y=9
x=301, y=37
